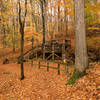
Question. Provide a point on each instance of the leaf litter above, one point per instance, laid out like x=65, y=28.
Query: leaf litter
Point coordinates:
x=42, y=85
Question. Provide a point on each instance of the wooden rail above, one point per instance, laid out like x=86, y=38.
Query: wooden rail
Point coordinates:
x=48, y=66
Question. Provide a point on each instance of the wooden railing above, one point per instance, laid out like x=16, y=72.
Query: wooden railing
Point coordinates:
x=48, y=66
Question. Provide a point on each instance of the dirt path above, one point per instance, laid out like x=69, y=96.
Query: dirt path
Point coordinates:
x=42, y=85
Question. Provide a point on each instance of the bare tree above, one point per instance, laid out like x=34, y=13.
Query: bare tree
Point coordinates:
x=81, y=58
x=22, y=25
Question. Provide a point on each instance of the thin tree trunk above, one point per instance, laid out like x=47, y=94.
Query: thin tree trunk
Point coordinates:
x=59, y=30
x=66, y=21
x=43, y=24
x=4, y=42
x=22, y=25
x=34, y=19
x=13, y=37
x=22, y=58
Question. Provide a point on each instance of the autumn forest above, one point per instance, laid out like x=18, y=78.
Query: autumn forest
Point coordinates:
x=49, y=49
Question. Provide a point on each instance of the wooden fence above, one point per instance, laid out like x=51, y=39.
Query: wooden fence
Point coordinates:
x=48, y=66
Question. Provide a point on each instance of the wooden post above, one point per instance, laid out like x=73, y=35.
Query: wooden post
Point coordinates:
x=37, y=44
x=36, y=51
x=32, y=63
x=53, y=53
x=43, y=51
x=32, y=41
x=63, y=50
x=39, y=64
x=58, y=69
x=66, y=69
x=48, y=66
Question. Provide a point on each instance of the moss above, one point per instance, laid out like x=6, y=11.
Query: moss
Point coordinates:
x=76, y=75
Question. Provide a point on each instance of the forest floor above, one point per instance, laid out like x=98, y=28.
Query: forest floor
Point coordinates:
x=42, y=85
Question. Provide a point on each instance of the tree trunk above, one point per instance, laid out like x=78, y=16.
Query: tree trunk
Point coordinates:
x=66, y=21
x=43, y=24
x=81, y=58
x=13, y=37
x=22, y=25
x=59, y=30
x=22, y=58
x=4, y=42
x=34, y=19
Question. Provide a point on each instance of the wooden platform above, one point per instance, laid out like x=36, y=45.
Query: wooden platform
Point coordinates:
x=56, y=47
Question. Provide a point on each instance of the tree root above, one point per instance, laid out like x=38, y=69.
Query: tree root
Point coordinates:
x=76, y=75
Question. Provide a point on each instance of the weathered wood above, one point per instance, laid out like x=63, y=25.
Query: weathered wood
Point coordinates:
x=53, y=48
x=66, y=69
x=49, y=56
x=32, y=63
x=57, y=47
x=53, y=53
x=57, y=55
x=47, y=66
x=63, y=50
x=44, y=52
x=32, y=41
x=58, y=69
x=39, y=64
x=36, y=51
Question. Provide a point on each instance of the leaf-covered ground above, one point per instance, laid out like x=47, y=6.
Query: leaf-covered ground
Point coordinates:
x=42, y=85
